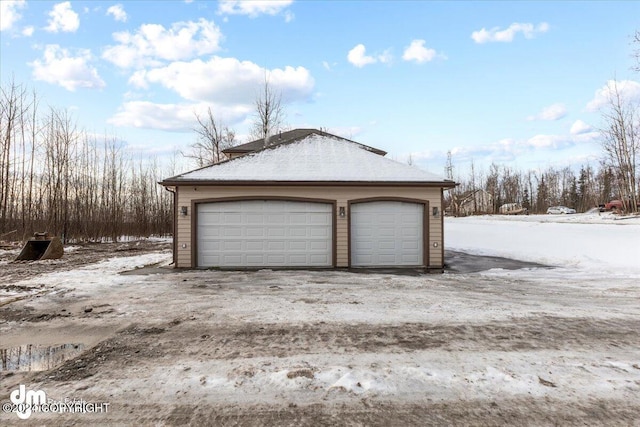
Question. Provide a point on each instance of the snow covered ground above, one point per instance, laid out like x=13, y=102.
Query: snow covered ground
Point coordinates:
x=536, y=346
x=599, y=244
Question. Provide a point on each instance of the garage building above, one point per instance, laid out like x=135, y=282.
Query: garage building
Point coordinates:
x=308, y=199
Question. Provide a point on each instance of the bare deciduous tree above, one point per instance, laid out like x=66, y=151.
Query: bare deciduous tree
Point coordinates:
x=636, y=52
x=269, y=113
x=55, y=178
x=212, y=139
x=621, y=144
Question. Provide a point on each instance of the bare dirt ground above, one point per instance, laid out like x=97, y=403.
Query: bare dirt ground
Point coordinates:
x=321, y=347
x=75, y=256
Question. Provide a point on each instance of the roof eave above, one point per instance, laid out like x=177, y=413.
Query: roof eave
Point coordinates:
x=194, y=182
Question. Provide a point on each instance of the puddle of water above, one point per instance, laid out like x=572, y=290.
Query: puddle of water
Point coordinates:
x=33, y=357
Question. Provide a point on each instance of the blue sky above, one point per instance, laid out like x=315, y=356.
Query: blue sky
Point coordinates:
x=518, y=83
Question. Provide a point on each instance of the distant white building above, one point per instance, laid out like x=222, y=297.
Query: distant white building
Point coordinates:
x=474, y=202
x=512, y=209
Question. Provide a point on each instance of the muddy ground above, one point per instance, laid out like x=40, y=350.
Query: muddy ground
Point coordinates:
x=321, y=347
x=75, y=256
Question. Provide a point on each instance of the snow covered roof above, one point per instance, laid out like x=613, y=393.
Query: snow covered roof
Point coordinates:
x=288, y=137
x=315, y=158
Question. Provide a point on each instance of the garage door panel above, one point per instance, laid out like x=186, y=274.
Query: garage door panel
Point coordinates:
x=296, y=245
x=210, y=233
x=252, y=245
x=411, y=260
x=276, y=232
x=410, y=245
x=231, y=218
x=387, y=245
x=320, y=259
x=388, y=259
x=298, y=260
x=253, y=231
x=298, y=231
x=275, y=219
x=363, y=231
x=231, y=245
x=275, y=259
x=386, y=233
x=298, y=218
x=230, y=259
x=264, y=233
x=212, y=218
x=319, y=233
x=277, y=245
x=363, y=260
x=318, y=246
x=212, y=246
x=410, y=232
x=318, y=218
x=254, y=218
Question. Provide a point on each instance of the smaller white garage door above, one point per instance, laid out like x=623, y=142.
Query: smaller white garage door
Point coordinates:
x=265, y=233
x=386, y=234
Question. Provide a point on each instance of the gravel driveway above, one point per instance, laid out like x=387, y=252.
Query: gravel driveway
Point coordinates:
x=328, y=347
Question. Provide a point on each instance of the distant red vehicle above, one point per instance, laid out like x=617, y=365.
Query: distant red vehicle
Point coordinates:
x=616, y=205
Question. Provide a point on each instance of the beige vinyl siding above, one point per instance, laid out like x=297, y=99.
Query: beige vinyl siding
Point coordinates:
x=340, y=194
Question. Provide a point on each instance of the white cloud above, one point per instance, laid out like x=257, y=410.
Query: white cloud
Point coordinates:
x=359, y=58
x=417, y=52
x=226, y=80
x=174, y=117
x=550, y=113
x=9, y=14
x=288, y=16
x=253, y=8
x=504, y=150
x=152, y=43
x=28, y=31
x=59, y=67
x=228, y=85
x=579, y=127
x=544, y=141
x=63, y=18
x=385, y=57
x=629, y=90
x=118, y=12
x=555, y=142
x=495, y=34
x=538, y=149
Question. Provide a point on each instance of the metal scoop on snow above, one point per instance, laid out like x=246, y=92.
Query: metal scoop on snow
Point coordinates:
x=41, y=246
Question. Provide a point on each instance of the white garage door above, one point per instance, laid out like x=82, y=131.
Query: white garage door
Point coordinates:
x=386, y=234
x=264, y=233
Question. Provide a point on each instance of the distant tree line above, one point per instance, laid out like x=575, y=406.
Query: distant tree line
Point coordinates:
x=537, y=190
x=57, y=178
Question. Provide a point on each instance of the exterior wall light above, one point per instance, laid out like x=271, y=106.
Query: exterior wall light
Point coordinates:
x=436, y=212
x=184, y=210
x=342, y=212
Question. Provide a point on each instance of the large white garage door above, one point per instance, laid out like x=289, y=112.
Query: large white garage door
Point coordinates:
x=386, y=234
x=264, y=233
